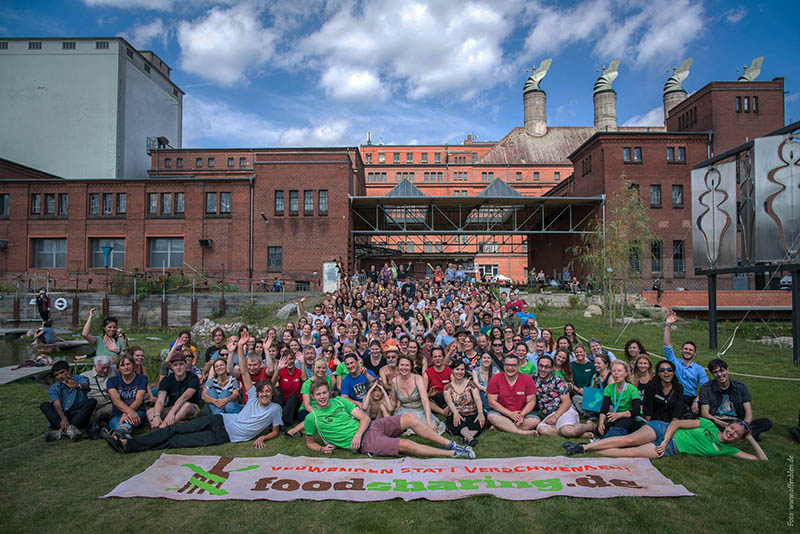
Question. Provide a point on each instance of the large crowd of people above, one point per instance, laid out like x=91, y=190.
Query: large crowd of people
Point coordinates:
x=388, y=356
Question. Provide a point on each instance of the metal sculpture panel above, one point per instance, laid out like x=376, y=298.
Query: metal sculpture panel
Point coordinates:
x=777, y=198
x=714, y=216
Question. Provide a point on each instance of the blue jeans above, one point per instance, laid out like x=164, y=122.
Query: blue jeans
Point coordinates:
x=127, y=427
x=231, y=407
x=660, y=428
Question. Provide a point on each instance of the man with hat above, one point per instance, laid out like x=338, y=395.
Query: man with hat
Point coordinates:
x=178, y=396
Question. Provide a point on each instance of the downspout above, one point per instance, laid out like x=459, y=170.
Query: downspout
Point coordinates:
x=250, y=272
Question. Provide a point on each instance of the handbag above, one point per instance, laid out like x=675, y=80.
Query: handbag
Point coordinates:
x=592, y=399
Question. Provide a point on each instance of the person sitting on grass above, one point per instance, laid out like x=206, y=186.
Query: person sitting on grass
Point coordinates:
x=69, y=407
x=663, y=396
x=512, y=399
x=377, y=403
x=699, y=437
x=725, y=399
x=466, y=417
x=357, y=380
x=221, y=391
x=619, y=413
x=259, y=414
x=552, y=399
x=320, y=370
x=690, y=374
x=340, y=423
x=127, y=390
x=178, y=396
x=436, y=378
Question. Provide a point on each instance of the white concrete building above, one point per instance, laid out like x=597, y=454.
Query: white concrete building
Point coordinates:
x=84, y=107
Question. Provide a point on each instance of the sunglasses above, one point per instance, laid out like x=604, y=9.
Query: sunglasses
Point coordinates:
x=497, y=344
x=664, y=370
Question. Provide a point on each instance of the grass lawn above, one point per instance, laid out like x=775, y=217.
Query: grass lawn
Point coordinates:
x=55, y=487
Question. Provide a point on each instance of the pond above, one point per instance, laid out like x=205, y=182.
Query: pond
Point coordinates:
x=15, y=351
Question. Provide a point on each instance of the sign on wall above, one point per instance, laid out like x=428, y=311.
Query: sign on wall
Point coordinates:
x=330, y=277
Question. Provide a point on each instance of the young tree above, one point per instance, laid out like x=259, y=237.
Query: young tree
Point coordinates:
x=612, y=255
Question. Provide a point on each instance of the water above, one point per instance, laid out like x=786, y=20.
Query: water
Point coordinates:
x=16, y=351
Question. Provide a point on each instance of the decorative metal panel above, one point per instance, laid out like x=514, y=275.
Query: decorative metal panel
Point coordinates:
x=777, y=198
x=746, y=179
x=714, y=216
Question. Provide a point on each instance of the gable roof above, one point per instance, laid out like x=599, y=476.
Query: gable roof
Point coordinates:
x=405, y=189
x=499, y=189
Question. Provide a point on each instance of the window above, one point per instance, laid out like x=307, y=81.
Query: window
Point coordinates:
x=210, y=163
x=682, y=154
x=101, y=45
x=36, y=204
x=536, y=175
x=302, y=285
x=274, y=259
x=94, y=204
x=242, y=162
x=49, y=204
x=655, y=256
x=211, y=203
x=746, y=106
x=626, y=154
x=230, y=162
x=655, y=196
x=165, y=252
x=557, y=176
x=411, y=176
x=3, y=45
x=409, y=157
x=122, y=203
x=409, y=247
x=398, y=176
x=179, y=162
x=63, y=204
x=634, y=261
x=167, y=163
x=129, y=53
x=166, y=203
x=278, y=203
x=146, y=68
x=637, y=154
x=152, y=203
x=474, y=157
x=519, y=176
x=488, y=270
x=34, y=45
x=369, y=158
x=677, y=196
x=396, y=157
x=678, y=262
x=179, y=203
x=116, y=258
x=424, y=157
x=68, y=45
x=294, y=202
x=49, y=253
x=198, y=162
x=428, y=247
x=738, y=104
x=225, y=202
x=108, y=203
x=4, y=205
x=437, y=157
x=755, y=104
x=323, y=202
x=671, y=154
x=381, y=157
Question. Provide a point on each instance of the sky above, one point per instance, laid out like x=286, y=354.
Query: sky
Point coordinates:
x=325, y=73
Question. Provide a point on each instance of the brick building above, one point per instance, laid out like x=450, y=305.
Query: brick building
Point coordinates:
x=257, y=214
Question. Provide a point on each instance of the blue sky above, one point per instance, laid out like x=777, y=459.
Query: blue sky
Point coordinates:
x=309, y=72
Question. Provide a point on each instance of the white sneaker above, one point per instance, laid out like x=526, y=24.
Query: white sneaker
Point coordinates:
x=73, y=433
x=52, y=435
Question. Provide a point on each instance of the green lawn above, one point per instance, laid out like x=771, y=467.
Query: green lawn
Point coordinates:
x=55, y=486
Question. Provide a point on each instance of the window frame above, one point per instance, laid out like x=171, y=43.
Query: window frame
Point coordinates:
x=279, y=203
x=294, y=202
x=320, y=203
x=115, y=253
x=223, y=195
x=272, y=265
x=211, y=196
x=36, y=204
x=655, y=189
x=151, y=241
x=678, y=188
x=56, y=254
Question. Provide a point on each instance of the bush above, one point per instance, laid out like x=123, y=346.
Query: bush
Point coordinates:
x=574, y=301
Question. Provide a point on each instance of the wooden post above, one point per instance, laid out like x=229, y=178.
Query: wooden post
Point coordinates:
x=76, y=311
x=164, y=310
x=16, y=311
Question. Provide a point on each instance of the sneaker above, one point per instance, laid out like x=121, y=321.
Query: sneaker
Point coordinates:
x=463, y=452
x=574, y=448
x=73, y=433
x=451, y=446
x=114, y=442
x=52, y=435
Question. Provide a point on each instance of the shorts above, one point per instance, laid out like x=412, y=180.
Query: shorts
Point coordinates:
x=382, y=438
x=438, y=399
x=660, y=428
x=570, y=417
x=530, y=415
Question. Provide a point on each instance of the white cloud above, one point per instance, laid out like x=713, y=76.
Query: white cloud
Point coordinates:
x=735, y=15
x=143, y=35
x=329, y=133
x=102, y=20
x=156, y=5
x=206, y=120
x=226, y=44
x=641, y=32
x=654, y=117
x=792, y=98
x=429, y=48
x=342, y=83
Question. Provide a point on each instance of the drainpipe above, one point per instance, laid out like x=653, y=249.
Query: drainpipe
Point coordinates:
x=250, y=271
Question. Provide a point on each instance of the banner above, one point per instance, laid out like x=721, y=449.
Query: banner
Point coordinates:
x=288, y=478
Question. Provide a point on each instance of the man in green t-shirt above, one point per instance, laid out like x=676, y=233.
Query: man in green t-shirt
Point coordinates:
x=340, y=423
x=699, y=437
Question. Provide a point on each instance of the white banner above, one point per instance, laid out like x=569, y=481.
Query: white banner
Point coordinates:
x=287, y=478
